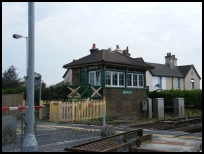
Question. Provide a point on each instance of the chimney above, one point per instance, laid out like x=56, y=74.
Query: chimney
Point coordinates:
x=174, y=60
x=118, y=49
x=94, y=46
x=94, y=49
x=126, y=52
x=170, y=60
x=169, y=54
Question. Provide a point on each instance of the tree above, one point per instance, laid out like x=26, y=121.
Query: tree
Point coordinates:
x=10, y=78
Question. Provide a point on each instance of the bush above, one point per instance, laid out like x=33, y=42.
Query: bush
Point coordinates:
x=197, y=112
x=191, y=97
x=188, y=112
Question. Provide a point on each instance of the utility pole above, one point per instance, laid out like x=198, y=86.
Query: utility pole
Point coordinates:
x=30, y=143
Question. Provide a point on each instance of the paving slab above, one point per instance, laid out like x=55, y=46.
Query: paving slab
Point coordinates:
x=166, y=144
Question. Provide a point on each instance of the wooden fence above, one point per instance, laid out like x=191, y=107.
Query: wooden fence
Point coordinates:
x=12, y=100
x=81, y=110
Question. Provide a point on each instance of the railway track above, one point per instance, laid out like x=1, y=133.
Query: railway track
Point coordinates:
x=188, y=124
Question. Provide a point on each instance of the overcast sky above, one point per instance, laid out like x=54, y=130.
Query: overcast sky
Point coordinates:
x=67, y=31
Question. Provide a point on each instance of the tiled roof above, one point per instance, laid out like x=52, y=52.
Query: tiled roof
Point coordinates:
x=164, y=70
x=185, y=69
x=176, y=71
x=104, y=56
x=140, y=59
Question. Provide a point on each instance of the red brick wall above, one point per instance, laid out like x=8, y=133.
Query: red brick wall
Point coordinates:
x=120, y=105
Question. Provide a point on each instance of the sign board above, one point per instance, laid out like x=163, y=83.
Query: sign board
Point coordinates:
x=90, y=104
x=93, y=67
x=127, y=92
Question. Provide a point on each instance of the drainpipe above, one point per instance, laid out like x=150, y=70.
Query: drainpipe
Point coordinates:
x=172, y=83
x=184, y=84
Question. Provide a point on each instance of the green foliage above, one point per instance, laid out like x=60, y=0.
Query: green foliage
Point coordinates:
x=10, y=78
x=49, y=93
x=8, y=91
x=188, y=112
x=55, y=93
x=20, y=89
x=191, y=97
x=197, y=112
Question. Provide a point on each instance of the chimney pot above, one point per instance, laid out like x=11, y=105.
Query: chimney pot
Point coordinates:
x=117, y=46
x=127, y=49
x=94, y=46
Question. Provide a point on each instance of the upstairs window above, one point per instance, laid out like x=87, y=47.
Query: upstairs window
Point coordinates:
x=178, y=83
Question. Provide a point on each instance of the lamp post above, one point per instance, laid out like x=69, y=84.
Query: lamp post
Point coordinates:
x=17, y=36
x=30, y=143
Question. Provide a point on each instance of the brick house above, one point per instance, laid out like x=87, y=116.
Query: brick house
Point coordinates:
x=119, y=78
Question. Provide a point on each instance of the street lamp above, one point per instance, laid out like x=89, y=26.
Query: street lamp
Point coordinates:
x=17, y=36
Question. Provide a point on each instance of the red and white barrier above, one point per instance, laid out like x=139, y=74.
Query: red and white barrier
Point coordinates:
x=19, y=108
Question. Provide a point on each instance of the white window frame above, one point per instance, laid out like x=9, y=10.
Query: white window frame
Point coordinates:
x=138, y=84
x=118, y=79
x=160, y=82
x=96, y=83
x=178, y=83
x=192, y=84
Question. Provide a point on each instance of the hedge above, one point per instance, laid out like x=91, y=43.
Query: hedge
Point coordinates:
x=191, y=97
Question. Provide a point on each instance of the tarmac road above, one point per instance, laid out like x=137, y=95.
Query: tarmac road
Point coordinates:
x=55, y=137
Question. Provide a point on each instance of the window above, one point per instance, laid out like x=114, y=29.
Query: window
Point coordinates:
x=121, y=79
x=178, y=83
x=160, y=82
x=135, y=80
x=129, y=81
x=192, y=84
x=108, y=78
x=141, y=81
x=95, y=78
x=114, y=78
